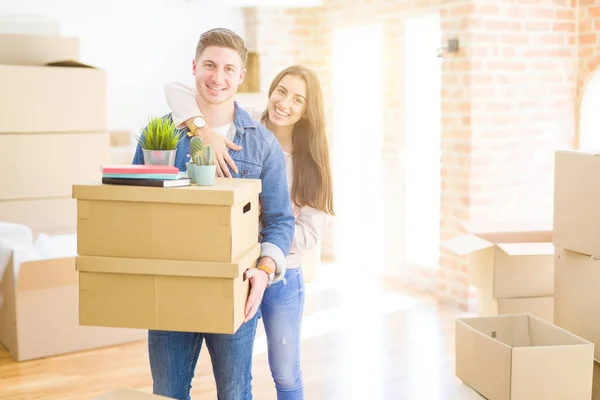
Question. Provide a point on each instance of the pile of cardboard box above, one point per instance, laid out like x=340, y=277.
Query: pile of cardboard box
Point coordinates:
x=53, y=133
x=521, y=356
x=512, y=266
x=166, y=259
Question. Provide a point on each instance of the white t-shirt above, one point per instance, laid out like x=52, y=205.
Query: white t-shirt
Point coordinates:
x=228, y=131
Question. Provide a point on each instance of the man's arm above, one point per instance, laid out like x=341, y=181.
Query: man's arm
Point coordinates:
x=276, y=210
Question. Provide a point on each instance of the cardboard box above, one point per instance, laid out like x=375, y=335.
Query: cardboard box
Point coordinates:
x=542, y=307
x=47, y=164
x=523, y=357
x=37, y=49
x=577, y=201
x=128, y=394
x=39, y=317
x=189, y=296
x=505, y=263
x=120, y=138
x=52, y=99
x=194, y=223
x=52, y=216
x=577, y=298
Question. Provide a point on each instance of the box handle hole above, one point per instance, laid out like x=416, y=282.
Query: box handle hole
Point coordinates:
x=247, y=208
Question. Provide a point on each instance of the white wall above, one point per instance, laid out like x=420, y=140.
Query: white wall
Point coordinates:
x=139, y=43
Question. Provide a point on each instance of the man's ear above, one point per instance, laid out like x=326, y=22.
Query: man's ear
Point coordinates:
x=242, y=75
x=194, y=65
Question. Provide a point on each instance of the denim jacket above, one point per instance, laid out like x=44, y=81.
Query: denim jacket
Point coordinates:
x=261, y=158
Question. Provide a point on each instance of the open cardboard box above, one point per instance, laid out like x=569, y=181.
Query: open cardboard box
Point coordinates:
x=523, y=357
x=507, y=260
x=39, y=314
x=37, y=49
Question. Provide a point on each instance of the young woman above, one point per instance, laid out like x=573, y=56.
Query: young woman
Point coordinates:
x=295, y=115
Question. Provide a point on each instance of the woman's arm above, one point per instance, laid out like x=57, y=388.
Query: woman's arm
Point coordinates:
x=182, y=101
x=310, y=227
x=184, y=108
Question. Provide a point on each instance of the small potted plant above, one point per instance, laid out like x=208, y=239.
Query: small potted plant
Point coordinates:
x=202, y=170
x=159, y=142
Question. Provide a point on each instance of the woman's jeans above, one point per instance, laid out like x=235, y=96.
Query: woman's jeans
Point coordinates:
x=173, y=355
x=281, y=310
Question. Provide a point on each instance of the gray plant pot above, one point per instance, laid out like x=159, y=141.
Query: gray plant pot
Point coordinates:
x=204, y=175
x=159, y=157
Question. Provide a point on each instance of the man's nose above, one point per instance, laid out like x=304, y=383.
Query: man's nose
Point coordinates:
x=218, y=77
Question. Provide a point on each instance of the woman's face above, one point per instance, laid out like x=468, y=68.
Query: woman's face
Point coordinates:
x=287, y=103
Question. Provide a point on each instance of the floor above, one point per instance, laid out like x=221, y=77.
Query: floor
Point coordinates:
x=362, y=339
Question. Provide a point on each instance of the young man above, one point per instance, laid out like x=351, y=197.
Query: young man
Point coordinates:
x=219, y=68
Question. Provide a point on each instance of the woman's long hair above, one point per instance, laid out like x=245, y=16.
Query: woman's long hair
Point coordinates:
x=311, y=185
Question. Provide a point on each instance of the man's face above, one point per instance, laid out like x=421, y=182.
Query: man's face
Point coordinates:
x=218, y=72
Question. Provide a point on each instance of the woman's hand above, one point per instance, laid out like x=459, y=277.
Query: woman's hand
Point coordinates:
x=219, y=144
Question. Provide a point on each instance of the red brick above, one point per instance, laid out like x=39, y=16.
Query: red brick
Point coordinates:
x=542, y=13
x=565, y=14
x=536, y=26
x=564, y=27
x=515, y=39
x=585, y=26
x=596, y=27
x=595, y=11
x=588, y=38
x=503, y=25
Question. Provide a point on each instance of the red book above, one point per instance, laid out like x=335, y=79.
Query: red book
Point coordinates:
x=139, y=169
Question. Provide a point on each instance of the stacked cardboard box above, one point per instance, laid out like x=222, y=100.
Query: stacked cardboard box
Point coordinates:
x=577, y=241
x=166, y=258
x=52, y=133
x=511, y=265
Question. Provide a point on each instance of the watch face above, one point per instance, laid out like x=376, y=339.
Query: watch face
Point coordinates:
x=199, y=122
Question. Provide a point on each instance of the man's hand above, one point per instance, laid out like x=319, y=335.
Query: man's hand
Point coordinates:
x=258, y=284
x=219, y=144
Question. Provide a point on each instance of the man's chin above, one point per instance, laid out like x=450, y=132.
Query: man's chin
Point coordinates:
x=216, y=100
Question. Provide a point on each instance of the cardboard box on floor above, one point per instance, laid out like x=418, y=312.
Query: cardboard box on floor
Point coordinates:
x=194, y=223
x=523, y=357
x=577, y=298
x=507, y=260
x=577, y=201
x=44, y=215
x=166, y=258
x=37, y=49
x=39, y=317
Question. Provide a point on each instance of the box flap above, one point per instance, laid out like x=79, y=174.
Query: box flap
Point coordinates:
x=226, y=191
x=118, y=265
x=527, y=249
x=46, y=273
x=511, y=231
x=466, y=244
x=70, y=64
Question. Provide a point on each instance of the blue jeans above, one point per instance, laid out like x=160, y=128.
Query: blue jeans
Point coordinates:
x=173, y=358
x=281, y=310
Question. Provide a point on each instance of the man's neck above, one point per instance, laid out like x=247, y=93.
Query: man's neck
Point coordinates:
x=283, y=135
x=216, y=115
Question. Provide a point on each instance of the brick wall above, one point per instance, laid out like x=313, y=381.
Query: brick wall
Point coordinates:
x=588, y=38
x=507, y=102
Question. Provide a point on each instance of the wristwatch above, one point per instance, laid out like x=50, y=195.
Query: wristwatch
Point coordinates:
x=198, y=123
x=269, y=272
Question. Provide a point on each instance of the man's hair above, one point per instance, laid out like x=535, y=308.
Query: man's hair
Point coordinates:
x=223, y=37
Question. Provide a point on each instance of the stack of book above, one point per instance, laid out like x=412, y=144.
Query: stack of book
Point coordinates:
x=144, y=175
